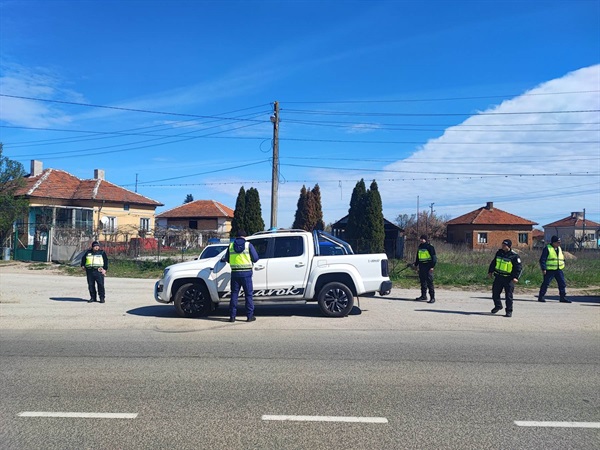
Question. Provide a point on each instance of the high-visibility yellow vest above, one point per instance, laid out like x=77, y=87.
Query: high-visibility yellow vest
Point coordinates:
x=240, y=261
x=504, y=266
x=556, y=259
x=93, y=261
x=423, y=255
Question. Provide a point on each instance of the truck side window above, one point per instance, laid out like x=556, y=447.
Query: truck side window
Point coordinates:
x=261, y=246
x=289, y=246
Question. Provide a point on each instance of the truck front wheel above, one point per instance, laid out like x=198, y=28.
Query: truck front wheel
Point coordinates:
x=335, y=300
x=192, y=300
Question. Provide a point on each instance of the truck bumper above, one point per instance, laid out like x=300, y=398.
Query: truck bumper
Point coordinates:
x=158, y=287
x=385, y=288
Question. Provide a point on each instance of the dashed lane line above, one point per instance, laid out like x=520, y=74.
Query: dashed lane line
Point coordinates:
x=522, y=423
x=327, y=419
x=78, y=415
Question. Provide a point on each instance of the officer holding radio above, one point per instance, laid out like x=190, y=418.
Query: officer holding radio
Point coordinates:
x=95, y=263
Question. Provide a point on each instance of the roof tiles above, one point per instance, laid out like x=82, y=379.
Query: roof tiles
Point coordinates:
x=58, y=184
x=489, y=216
x=198, y=208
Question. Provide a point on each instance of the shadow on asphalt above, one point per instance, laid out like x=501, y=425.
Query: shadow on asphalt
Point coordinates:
x=69, y=299
x=463, y=313
x=221, y=314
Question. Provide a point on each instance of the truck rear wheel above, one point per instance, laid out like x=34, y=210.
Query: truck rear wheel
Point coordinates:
x=192, y=300
x=335, y=299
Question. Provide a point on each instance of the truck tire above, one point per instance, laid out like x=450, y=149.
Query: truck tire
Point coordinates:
x=335, y=299
x=192, y=300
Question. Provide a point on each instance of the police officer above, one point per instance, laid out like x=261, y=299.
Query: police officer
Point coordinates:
x=95, y=263
x=425, y=261
x=506, y=268
x=552, y=263
x=240, y=256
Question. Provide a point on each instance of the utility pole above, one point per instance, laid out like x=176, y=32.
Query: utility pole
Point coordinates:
x=430, y=217
x=275, y=175
x=136, y=175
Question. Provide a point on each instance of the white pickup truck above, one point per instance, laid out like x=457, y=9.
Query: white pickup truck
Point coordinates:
x=294, y=265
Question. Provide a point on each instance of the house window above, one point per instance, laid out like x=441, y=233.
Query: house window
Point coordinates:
x=468, y=238
x=126, y=207
x=144, y=224
x=523, y=238
x=64, y=218
x=193, y=224
x=110, y=225
x=84, y=219
x=482, y=238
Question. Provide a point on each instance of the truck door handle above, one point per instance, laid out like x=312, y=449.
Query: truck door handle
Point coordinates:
x=259, y=267
x=300, y=264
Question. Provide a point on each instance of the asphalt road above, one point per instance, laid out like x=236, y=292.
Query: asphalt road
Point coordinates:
x=395, y=374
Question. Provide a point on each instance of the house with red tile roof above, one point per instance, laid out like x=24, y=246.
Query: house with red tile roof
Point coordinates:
x=574, y=231
x=83, y=209
x=201, y=215
x=488, y=226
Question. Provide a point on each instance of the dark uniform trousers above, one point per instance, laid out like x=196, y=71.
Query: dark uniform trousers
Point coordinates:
x=560, y=280
x=246, y=284
x=95, y=277
x=426, y=279
x=506, y=283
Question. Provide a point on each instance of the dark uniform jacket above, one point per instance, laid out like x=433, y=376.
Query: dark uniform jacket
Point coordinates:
x=514, y=258
x=99, y=252
x=428, y=264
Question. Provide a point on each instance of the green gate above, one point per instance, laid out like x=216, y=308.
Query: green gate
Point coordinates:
x=32, y=242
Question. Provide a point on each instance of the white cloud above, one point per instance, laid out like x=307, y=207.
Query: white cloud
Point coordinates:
x=568, y=145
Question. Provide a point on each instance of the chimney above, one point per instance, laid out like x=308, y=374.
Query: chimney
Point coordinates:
x=577, y=215
x=98, y=174
x=37, y=167
x=490, y=206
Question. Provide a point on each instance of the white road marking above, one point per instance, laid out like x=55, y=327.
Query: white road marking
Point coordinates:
x=558, y=424
x=79, y=415
x=327, y=419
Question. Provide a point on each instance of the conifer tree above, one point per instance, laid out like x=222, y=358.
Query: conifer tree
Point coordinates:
x=316, y=209
x=300, y=218
x=374, y=231
x=188, y=199
x=239, y=214
x=355, y=225
x=253, y=217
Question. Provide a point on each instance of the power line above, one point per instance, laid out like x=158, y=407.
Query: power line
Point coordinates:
x=147, y=111
x=440, y=99
x=381, y=114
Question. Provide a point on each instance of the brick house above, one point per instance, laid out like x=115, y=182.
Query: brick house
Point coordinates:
x=487, y=227
x=574, y=231
x=202, y=215
x=81, y=209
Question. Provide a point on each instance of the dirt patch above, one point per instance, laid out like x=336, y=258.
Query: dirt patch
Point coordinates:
x=27, y=267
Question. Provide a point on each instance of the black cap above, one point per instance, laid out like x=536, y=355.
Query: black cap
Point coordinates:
x=95, y=243
x=423, y=236
x=554, y=239
x=507, y=242
x=241, y=233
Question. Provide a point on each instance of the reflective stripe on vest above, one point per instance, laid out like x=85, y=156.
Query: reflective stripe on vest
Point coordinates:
x=424, y=255
x=504, y=266
x=92, y=261
x=556, y=260
x=240, y=261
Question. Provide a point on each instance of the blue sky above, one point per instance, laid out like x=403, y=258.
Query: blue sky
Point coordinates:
x=454, y=103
